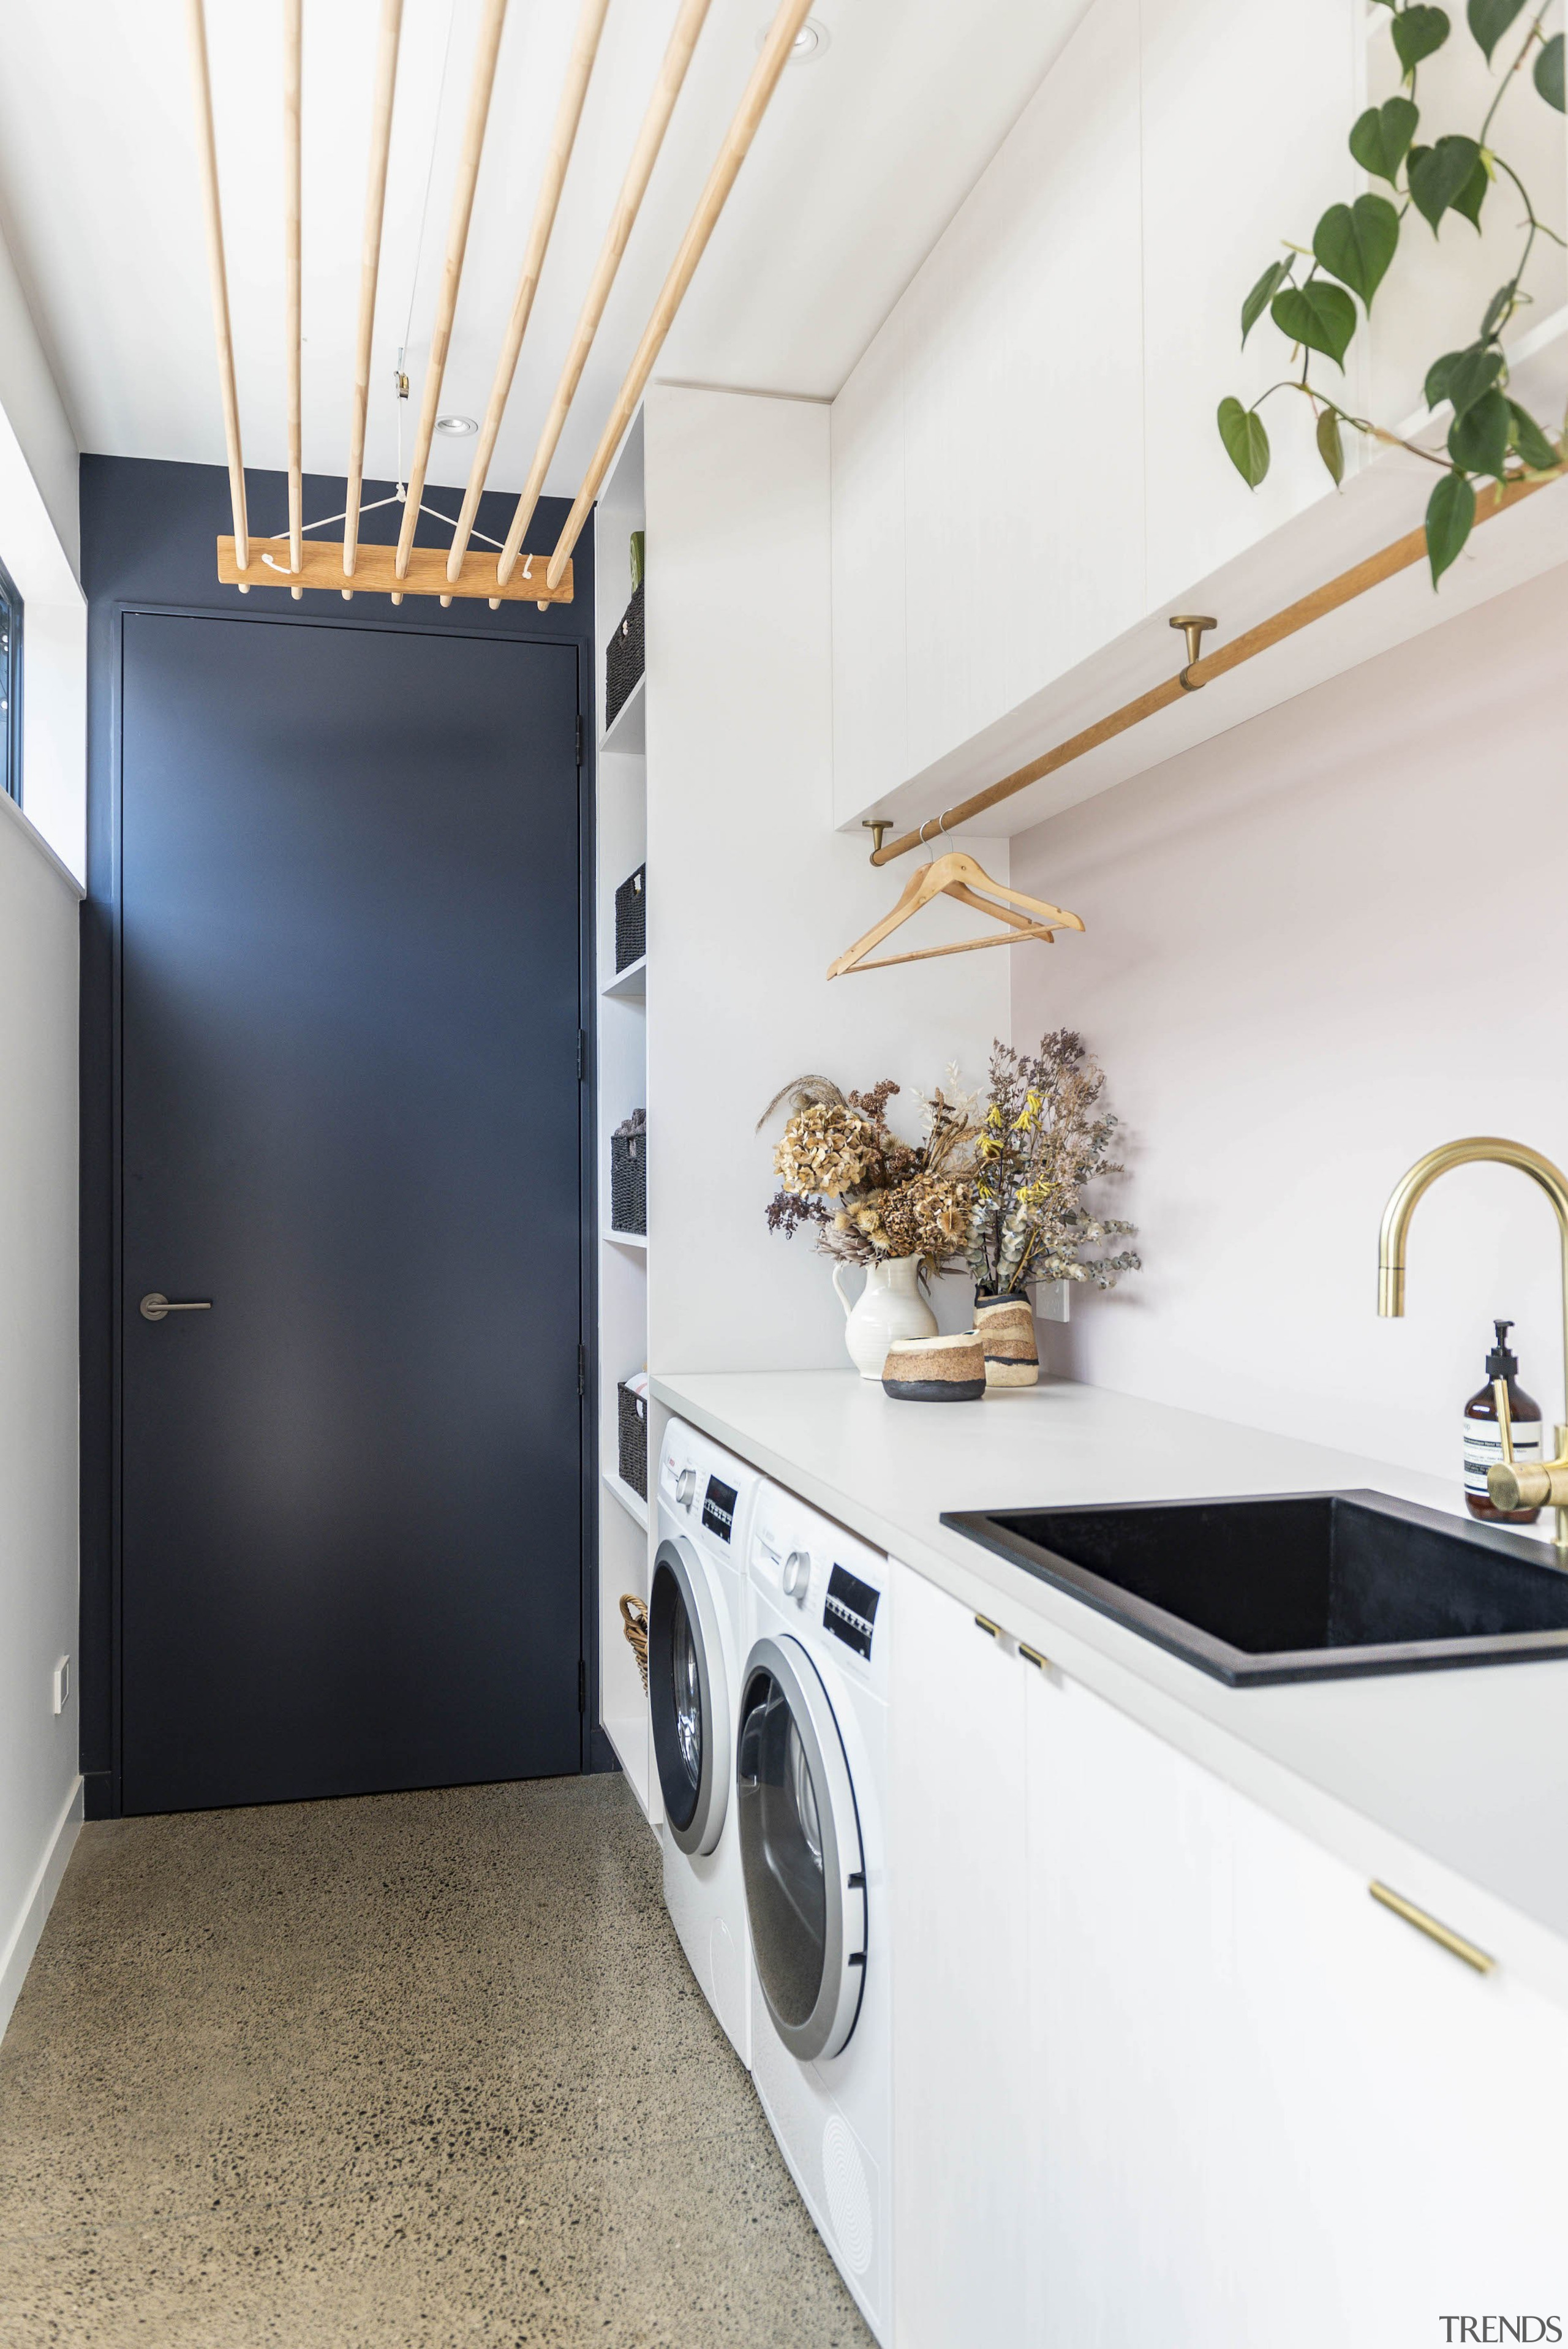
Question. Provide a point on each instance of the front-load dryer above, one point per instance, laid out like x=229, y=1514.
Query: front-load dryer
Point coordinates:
x=810, y=1784
x=697, y=1616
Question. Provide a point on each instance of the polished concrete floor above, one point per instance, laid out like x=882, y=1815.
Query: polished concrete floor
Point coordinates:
x=419, y=2069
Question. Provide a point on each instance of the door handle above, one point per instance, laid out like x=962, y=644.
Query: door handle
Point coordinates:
x=156, y=1307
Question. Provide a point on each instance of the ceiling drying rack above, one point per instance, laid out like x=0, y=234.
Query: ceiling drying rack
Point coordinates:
x=457, y=571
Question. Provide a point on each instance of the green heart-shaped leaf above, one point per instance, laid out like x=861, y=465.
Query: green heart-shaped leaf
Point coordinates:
x=1321, y=316
x=1382, y=137
x=1330, y=447
x=1466, y=376
x=1246, y=442
x=1263, y=293
x=1549, y=73
x=1477, y=439
x=1355, y=242
x=1439, y=173
x=1472, y=195
x=1490, y=19
x=1418, y=32
x=1450, y=511
x=1538, y=452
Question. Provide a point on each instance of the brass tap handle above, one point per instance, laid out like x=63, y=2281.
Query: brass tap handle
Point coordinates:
x=1527, y=1484
x=1504, y=1418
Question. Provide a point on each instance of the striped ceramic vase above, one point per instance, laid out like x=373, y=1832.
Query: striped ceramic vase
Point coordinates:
x=1005, y=1328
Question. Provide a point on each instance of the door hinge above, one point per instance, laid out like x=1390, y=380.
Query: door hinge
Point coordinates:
x=581, y=1684
x=581, y=1054
x=582, y=1369
x=580, y=738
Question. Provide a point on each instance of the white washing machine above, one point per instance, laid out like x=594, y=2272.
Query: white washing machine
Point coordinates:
x=811, y=1789
x=696, y=1645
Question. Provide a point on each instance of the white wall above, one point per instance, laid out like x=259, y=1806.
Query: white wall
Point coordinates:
x=40, y=547
x=40, y=1790
x=751, y=894
x=31, y=399
x=1316, y=946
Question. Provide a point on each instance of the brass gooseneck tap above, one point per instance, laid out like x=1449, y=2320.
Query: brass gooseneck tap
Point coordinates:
x=1509, y=1484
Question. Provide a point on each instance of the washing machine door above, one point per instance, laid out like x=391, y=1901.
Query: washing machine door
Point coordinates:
x=688, y=1698
x=800, y=1851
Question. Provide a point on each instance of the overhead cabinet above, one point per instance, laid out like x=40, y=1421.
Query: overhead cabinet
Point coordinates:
x=1028, y=476
x=1181, y=2078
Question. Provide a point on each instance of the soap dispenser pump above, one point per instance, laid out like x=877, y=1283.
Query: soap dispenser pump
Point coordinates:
x=1482, y=1442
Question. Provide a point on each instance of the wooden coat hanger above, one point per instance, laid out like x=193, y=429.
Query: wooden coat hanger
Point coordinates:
x=958, y=874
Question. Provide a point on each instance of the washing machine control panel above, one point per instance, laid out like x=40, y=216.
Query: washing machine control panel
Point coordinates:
x=718, y=1508
x=849, y=1610
x=686, y=1486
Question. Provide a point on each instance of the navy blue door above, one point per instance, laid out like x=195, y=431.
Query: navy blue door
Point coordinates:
x=350, y=1507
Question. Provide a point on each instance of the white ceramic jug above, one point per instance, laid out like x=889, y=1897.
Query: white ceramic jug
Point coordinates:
x=889, y=1306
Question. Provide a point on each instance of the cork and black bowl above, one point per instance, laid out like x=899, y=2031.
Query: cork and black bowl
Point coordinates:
x=935, y=1369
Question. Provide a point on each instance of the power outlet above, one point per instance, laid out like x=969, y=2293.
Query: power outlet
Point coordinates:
x=62, y=1684
x=1051, y=1300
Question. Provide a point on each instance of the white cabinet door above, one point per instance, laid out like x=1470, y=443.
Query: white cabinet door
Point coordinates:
x=1246, y=112
x=959, y=1994
x=1270, y=2112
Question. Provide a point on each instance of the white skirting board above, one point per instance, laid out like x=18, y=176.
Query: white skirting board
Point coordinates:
x=26, y=1932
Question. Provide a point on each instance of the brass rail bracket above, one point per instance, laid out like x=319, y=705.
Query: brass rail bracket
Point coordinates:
x=876, y=827
x=1193, y=624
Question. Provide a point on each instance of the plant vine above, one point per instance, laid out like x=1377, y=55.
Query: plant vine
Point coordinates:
x=1491, y=438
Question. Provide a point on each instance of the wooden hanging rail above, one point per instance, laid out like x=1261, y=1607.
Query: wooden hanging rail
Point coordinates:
x=294, y=33
x=672, y=74
x=487, y=49
x=1370, y=572
x=370, y=267
x=558, y=156
x=376, y=572
x=212, y=212
x=744, y=125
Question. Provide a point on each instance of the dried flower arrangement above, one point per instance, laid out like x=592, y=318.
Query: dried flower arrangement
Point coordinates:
x=869, y=1194
x=1040, y=1141
x=996, y=1188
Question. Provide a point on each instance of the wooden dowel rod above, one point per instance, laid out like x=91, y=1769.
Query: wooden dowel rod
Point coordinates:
x=370, y=262
x=294, y=35
x=1370, y=572
x=791, y=15
x=562, y=138
x=218, y=275
x=486, y=52
x=656, y=121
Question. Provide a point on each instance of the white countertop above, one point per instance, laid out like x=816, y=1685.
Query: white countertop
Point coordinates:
x=1451, y=1785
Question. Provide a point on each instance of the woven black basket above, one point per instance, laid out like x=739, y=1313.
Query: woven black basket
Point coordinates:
x=623, y=658
x=628, y=1183
x=632, y=919
x=632, y=1431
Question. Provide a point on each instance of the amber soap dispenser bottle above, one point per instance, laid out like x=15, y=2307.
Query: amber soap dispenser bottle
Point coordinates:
x=1483, y=1441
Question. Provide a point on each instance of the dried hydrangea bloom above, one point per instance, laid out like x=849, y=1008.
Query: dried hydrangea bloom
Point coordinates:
x=827, y=1148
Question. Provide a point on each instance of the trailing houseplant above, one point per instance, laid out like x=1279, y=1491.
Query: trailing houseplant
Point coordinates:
x=1310, y=296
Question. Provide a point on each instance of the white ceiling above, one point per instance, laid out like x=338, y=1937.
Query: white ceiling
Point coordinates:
x=866, y=153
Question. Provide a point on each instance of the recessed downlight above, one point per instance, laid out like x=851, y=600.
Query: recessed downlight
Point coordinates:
x=810, y=42
x=457, y=428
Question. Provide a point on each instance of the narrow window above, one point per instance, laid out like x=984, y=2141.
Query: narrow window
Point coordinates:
x=10, y=688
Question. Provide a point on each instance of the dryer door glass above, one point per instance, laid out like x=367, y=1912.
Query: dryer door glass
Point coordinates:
x=687, y=1699
x=801, y=1854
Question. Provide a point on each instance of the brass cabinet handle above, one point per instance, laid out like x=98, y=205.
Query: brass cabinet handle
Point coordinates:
x=1032, y=1656
x=156, y=1307
x=991, y=1630
x=1444, y=1935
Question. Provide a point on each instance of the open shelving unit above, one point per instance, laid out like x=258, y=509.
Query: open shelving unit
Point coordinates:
x=621, y=1062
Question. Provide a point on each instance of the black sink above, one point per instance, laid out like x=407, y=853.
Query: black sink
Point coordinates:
x=1305, y=1586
